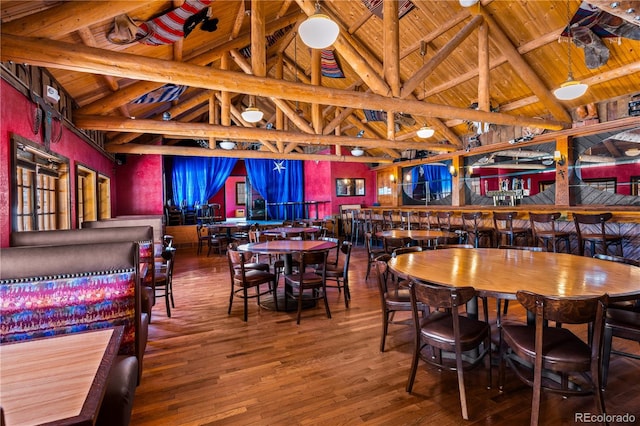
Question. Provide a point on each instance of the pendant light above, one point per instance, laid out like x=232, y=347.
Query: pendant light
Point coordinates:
x=228, y=145
x=318, y=31
x=425, y=131
x=570, y=89
x=468, y=3
x=357, y=152
x=251, y=114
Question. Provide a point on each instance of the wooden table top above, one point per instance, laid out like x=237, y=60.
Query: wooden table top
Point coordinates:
x=501, y=273
x=287, y=246
x=416, y=234
x=57, y=378
x=291, y=230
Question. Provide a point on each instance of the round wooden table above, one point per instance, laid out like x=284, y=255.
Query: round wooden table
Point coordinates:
x=501, y=273
x=286, y=230
x=287, y=248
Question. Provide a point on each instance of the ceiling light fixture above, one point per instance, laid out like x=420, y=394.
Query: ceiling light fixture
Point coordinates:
x=570, y=89
x=228, y=145
x=357, y=152
x=318, y=30
x=468, y=3
x=252, y=115
x=425, y=131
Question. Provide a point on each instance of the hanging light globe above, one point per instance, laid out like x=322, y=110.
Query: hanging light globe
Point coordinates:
x=357, y=152
x=425, y=132
x=252, y=115
x=318, y=31
x=228, y=145
x=570, y=89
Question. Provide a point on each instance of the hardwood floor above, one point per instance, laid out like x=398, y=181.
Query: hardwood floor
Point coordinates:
x=204, y=367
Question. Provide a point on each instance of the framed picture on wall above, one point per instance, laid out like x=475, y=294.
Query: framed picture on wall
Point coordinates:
x=349, y=187
x=241, y=193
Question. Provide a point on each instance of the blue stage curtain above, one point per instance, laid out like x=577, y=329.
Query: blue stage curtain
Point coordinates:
x=199, y=178
x=278, y=186
x=439, y=180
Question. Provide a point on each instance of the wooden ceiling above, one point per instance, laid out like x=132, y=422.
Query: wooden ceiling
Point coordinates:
x=440, y=64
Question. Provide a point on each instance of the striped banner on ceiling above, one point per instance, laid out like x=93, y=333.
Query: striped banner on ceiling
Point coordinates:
x=166, y=93
x=375, y=6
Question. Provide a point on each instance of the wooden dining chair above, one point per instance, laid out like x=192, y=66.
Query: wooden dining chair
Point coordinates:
x=390, y=243
x=163, y=276
x=444, y=329
x=393, y=299
x=503, y=225
x=372, y=253
x=544, y=230
x=243, y=278
x=309, y=282
x=591, y=229
x=536, y=352
x=472, y=225
x=622, y=321
x=339, y=272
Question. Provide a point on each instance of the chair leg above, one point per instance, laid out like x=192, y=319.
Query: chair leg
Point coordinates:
x=366, y=277
x=326, y=301
x=230, y=301
x=607, y=341
x=246, y=304
x=275, y=294
x=299, y=305
x=166, y=301
x=461, y=388
x=385, y=329
x=414, y=364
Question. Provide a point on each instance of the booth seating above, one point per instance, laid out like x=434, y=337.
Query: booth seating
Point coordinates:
x=156, y=222
x=77, y=288
x=143, y=235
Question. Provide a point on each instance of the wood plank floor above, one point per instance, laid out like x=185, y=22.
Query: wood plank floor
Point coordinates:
x=204, y=367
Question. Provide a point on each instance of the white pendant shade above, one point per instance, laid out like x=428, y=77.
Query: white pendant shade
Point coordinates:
x=357, y=152
x=252, y=115
x=468, y=3
x=318, y=31
x=425, y=132
x=570, y=89
x=228, y=145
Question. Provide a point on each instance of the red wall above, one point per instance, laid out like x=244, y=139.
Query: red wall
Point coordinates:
x=139, y=182
x=16, y=116
x=230, y=195
x=352, y=170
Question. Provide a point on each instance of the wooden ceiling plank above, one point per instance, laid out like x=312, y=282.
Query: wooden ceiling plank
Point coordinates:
x=86, y=59
x=360, y=21
x=522, y=68
x=87, y=38
x=551, y=37
x=237, y=23
x=446, y=26
x=134, y=91
x=184, y=106
x=70, y=16
x=391, y=49
x=441, y=55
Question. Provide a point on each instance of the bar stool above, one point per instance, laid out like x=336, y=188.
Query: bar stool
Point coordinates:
x=503, y=226
x=591, y=229
x=472, y=225
x=543, y=229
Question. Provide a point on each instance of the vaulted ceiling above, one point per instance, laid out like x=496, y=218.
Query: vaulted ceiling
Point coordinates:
x=405, y=65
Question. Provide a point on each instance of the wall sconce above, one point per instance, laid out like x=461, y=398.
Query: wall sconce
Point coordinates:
x=453, y=171
x=559, y=158
x=392, y=178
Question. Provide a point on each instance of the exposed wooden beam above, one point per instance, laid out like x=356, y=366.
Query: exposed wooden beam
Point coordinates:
x=56, y=22
x=204, y=130
x=75, y=57
x=484, y=98
x=443, y=28
x=391, y=48
x=522, y=68
x=204, y=152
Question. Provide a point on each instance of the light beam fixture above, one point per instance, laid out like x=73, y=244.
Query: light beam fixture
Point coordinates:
x=425, y=131
x=251, y=114
x=559, y=158
x=228, y=145
x=318, y=31
x=357, y=152
x=453, y=171
x=570, y=89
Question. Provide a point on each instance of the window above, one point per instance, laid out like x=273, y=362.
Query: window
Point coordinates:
x=40, y=192
x=607, y=185
x=86, y=198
